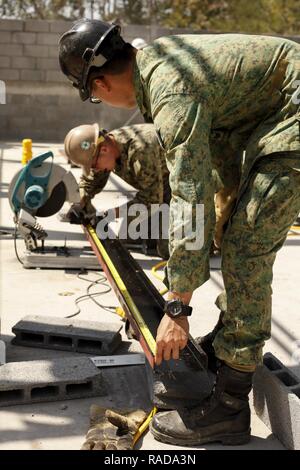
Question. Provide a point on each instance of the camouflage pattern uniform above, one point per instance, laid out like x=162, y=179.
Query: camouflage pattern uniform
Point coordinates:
x=224, y=102
x=141, y=164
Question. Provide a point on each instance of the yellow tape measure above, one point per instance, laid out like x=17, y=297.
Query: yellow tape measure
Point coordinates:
x=144, y=426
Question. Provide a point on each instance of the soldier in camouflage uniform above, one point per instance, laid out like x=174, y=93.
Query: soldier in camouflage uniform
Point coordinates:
x=194, y=88
x=131, y=152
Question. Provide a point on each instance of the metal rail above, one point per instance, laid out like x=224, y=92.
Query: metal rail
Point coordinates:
x=141, y=302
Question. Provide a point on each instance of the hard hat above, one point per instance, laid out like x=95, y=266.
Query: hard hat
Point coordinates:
x=89, y=43
x=139, y=43
x=81, y=144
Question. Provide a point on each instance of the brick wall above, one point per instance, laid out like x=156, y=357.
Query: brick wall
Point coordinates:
x=40, y=103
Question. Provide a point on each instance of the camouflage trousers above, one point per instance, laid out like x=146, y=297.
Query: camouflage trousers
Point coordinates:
x=267, y=206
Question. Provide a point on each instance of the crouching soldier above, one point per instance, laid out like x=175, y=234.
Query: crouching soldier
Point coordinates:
x=133, y=153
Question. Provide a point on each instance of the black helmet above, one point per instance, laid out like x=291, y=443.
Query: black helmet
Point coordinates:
x=89, y=43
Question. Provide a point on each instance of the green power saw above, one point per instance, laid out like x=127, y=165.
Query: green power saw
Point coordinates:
x=40, y=189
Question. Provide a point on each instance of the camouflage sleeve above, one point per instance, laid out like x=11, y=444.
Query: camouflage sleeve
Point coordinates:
x=183, y=125
x=147, y=172
x=92, y=184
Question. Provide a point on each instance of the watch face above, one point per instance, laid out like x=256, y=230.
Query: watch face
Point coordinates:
x=175, y=307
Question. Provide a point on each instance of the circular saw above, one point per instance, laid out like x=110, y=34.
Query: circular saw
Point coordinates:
x=39, y=190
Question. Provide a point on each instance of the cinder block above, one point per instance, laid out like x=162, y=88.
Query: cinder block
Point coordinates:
x=37, y=26
x=35, y=51
x=9, y=74
x=48, y=39
x=50, y=380
x=60, y=26
x=47, y=64
x=46, y=101
x=11, y=25
x=23, y=62
x=53, y=51
x=24, y=38
x=33, y=75
x=5, y=36
x=12, y=49
x=136, y=30
x=69, y=335
x=276, y=392
x=157, y=32
x=4, y=62
x=55, y=76
x=19, y=100
x=23, y=123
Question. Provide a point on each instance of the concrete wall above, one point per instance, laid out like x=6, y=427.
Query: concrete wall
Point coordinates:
x=40, y=103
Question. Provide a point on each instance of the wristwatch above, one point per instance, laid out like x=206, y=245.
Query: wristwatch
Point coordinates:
x=176, y=309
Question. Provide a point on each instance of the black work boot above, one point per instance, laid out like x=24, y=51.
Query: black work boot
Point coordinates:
x=223, y=417
x=206, y=343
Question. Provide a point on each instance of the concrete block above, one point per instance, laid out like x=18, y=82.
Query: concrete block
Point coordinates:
x=5, y=37
x=35, y=51
x=60, y=26
x=24, y=38
x=9, y=74
x=47, y=64
x=67, y=334
x=46, y=101
x=33, y=75
x=11, y=25
x=12, y=49
x=4, y=62
x=37, y=26
x=157, y=32
x=23, y=123
x=23, y=62
x=20, y=100
x=276, y=392
x=53, y=51
x=48, y=39
x=136, y=31
x=55, y=76
x=50, y=380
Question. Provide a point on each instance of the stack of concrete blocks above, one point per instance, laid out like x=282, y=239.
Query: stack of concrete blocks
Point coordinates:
x=276, y=391
x=58, y=379
x=40, y=102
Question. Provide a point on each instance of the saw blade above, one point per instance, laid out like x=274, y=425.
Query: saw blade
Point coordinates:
x=54, y=203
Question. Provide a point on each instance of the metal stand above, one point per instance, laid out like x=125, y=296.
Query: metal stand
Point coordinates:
x=2, y=353
x=61, y=258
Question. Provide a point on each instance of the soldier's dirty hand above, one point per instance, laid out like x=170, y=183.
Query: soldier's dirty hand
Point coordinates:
x=172, y=336
x=113, y=429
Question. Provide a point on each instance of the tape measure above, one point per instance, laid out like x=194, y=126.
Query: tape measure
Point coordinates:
x=144, y=426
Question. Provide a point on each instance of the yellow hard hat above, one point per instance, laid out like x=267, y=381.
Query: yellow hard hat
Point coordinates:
x=81, y=144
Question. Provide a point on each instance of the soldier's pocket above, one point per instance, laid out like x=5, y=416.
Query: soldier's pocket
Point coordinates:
x=159, y=138
x=274, y=200
x=260, y=187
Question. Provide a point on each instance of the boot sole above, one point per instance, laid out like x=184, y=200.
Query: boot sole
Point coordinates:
x=225, y=439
